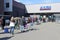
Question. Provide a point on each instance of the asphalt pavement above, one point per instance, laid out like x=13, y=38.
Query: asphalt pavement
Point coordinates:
x=44, y=31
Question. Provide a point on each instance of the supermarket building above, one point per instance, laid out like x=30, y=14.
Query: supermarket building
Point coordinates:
x=48, y=9
x=11, y=8
x=16, y=9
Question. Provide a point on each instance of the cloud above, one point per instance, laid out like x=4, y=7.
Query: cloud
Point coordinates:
x=17, y=0
x=37, y=1
x=25, y=1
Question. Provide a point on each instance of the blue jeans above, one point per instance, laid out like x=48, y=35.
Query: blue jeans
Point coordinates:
x=12, y=30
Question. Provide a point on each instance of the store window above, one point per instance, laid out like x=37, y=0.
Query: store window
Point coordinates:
x=7, y=5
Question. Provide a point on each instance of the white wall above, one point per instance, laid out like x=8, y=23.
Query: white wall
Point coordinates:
x=55, y=7
x=10, y=4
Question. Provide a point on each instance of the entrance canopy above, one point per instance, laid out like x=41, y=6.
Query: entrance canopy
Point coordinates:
x=43, y=8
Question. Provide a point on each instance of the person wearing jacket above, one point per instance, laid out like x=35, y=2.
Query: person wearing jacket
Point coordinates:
x=12, y=24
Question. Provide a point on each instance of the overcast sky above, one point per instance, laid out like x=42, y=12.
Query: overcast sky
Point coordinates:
x=37, y=1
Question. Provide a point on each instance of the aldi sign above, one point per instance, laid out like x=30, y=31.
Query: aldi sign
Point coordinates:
x=45, y=8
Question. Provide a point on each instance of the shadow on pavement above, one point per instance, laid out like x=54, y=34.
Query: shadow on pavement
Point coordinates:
x=22, y=32
x=26, y=31
x=3, y=33
x=5, y=38
x=34, y=29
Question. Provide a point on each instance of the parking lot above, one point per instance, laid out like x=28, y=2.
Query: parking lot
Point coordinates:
x=44, y=31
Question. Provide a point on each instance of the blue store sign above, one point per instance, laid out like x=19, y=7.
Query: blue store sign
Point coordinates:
x=45, y=8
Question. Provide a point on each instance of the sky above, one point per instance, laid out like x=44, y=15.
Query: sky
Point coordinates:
x=37, y=1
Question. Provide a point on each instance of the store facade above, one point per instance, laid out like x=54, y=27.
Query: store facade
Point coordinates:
x=14, y=8
x=51, y=9
x=1, y=7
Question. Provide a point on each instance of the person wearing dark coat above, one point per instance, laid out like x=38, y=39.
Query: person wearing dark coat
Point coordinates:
x=3, y=22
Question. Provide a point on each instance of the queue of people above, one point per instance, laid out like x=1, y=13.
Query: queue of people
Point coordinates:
x=48, y=18
x=23, y=22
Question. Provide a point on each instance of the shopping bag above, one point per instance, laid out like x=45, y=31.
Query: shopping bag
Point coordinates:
x=35, y=23
x=21, y=28
x=38, y=22
x=31, y=24
x=26, y=26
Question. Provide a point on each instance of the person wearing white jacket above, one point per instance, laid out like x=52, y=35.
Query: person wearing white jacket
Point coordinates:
x=12, y=24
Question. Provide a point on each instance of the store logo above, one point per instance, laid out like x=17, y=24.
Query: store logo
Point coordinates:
x=45, y=8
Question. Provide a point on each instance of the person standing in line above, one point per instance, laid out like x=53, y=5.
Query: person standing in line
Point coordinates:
x=12, y=24
x=31, y=18
x=26, y=19
x=40, y=18
x=0, y=23
x=22, y=24
x=44, y=18
x=23, y=20
x=3, y=22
